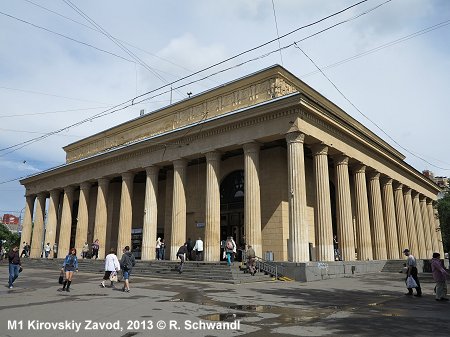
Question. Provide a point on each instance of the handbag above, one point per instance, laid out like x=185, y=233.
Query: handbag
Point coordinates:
x=113, y=277
x=61, y=278
x=410, y=282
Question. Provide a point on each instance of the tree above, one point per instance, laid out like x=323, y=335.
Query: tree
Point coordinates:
x=10, y=238
x=443, y=206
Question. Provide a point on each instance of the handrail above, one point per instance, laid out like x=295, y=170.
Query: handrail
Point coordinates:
x=265, y=266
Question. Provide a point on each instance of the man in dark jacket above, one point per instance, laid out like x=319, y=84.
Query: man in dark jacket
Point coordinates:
x=181, y=254
x=14, y=265
x=127, y=262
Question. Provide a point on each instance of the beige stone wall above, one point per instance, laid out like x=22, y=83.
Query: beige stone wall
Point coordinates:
x=273, y=181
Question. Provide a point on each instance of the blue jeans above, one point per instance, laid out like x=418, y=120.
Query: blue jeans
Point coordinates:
x=13, y=273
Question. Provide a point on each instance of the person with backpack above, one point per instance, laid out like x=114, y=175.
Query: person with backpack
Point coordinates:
x=69, y=266
x=181, y=254
x=230, y=249
x=127, y=262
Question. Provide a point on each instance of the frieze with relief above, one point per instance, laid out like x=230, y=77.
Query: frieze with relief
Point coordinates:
x=241, y=98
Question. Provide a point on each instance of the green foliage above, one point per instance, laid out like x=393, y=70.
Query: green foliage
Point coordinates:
x=11, y=238
x=443, y=206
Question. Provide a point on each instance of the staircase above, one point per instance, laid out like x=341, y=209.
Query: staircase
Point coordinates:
x=200, y=271
x=394, y=266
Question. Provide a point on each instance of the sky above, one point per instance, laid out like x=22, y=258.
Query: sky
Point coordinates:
x=63, y=62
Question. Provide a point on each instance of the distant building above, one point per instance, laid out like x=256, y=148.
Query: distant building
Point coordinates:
x=9, y=219
x=442, y=182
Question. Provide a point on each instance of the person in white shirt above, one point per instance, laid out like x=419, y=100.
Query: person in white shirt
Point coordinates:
x=412, y=271
x=112, y=265
x=158, y=247
x=47, y=249
x=198, y=248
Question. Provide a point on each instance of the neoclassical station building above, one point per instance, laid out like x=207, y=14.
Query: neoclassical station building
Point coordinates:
x=265, y=159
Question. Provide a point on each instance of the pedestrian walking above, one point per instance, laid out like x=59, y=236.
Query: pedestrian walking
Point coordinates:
x=15, y=267
x=69, y=266
x=47, y=250
x=112, y=266
x=127, y=262
x=251, y=259
x=439, y=275
x=95, y=248
x=198, y=249
x=337, y=253
x=230, y=249
x=85, y=251
x=181, y=254
x=411, y=266
x=158, y=247
x=162, y=250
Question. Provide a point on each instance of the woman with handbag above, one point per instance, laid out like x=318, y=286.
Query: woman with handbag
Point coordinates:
x=112, y=266
x=69, y=266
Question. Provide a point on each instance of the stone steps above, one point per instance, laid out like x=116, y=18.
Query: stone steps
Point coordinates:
x=192, y=270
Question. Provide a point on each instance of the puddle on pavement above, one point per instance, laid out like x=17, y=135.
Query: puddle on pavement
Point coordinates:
x=227, y=317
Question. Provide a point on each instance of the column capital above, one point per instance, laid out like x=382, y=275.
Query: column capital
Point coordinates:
x=429, y=201
x=179, y=163
x=152, y=170
x=422, y=198
x=387, y=181
x=407, y=190
x=319, y=149
x=252, y=147
x=213, y=156
x=341, y=159
x=295, y=137
x=42, y=195
x=359, y=168
x=85, y=186
x=69, y=189
x=127, y=176
x=373, y=175
x=398, y=186
x=103, y=182
x=414, y=194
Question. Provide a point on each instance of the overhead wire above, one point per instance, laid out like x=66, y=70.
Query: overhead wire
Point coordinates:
x=117, y=42
x=133, y=101
x=364, y=115
x=278, y=34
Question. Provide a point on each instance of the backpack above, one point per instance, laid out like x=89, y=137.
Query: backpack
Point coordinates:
x=230, y=245
x=128, y=262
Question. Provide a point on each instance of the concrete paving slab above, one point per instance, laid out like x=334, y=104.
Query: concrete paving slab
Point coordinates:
x=363, y=305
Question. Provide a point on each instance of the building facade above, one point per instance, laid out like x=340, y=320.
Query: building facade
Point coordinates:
x=265, y=159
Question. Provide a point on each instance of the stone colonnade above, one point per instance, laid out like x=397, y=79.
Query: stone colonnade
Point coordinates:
x=388, y=215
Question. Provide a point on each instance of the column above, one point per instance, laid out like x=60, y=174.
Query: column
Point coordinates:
x=149, y=231
x=83, y=217
x=439, y=233
x=410, y=225
x=376, y=216
x=323, y=224
x=38, y=228
x=252, y=198
x=364, y=241
x=298, y=245
x=426, y=227
x=52, y=219
x=212, y=210
x=101, y=215
x=400, y=216
x=344, y=209
x=433, y=231
x=27, y=223
x=126, y=212
x=178, y=233
x=419, y=227
x=390, y=225
x=66, y=222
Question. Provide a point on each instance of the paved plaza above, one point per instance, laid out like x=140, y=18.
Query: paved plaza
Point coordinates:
x=366, y=305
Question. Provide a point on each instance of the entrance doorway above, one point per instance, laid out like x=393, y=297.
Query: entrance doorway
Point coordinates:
x=232, y=208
